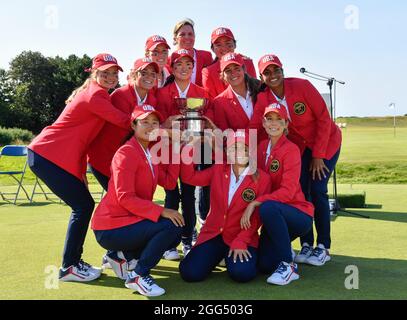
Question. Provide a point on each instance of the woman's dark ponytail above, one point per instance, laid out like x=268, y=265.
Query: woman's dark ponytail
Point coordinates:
x=169, y=80
x=254, y=86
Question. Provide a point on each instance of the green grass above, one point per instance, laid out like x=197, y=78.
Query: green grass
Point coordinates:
x=32, y=239
x=373, y=155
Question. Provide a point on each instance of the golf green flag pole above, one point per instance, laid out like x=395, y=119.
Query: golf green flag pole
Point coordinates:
x=393, y=106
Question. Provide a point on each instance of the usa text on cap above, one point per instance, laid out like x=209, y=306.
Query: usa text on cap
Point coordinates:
x=277, y=108
x=143, y=111
x=104, y=61
x=176, y=55
x=221, y=32
x=230, y=58
x=141, y=64
x=267, y=60
x=154, y=41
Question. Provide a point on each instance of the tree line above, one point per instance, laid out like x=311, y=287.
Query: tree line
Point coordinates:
x=34, y=88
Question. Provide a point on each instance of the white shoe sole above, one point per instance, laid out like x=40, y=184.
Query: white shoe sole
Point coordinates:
x=135, y=287
x=301, y=259
x=172, y=257
x=293, y=277
x=316, y=263
x=119, y=270
x=73, y=278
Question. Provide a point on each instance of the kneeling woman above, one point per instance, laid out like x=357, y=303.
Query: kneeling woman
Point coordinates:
x=127, y=220
x=233, y=186
x=284, y=212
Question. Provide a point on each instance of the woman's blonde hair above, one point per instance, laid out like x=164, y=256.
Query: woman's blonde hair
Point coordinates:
x=84, y=86
x=179, y=25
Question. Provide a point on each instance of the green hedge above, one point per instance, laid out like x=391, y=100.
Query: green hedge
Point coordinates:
x=15, y=136
x=354, y=200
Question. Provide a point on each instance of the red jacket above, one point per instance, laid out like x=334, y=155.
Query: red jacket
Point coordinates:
x=212, y=82
x=284, y=168
x=311, y=125
x=203, y=59
x=229, y=114
x=67, y=140
x=110, y=138
x=131, y=189
x=222, y=219
x=166, y=99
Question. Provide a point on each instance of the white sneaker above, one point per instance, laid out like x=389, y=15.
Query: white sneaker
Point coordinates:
x=304, y=254
x=105, y=263
x=185, y=249
x=77, y=273
x=171, y=254
x=118, y=263
x=319, y=256
x=284, y=274
x=87, y=267
x=222, y=263
x=143, y=285
x=131, y=265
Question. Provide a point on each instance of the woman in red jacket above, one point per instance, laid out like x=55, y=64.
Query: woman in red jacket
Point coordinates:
x=319, y=140
x=58, y=157
x=179, y=85
x=157, y=50
x=284, y=212
x=233, y=186
x=222, y=42
x=142, y=79
x=127, y=221
x=184, y=38
x=234, y=108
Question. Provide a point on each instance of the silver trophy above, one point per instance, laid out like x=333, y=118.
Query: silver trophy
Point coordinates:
x=192, y=122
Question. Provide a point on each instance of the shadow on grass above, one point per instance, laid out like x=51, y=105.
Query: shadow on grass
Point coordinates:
x=39, y=204
x=376, y=215
x=325, y=283
x=377, y=278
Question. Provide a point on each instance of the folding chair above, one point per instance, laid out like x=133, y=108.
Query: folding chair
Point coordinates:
x=43, y=192
x=16, y=174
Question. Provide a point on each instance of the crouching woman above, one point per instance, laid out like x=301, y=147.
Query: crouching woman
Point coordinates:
x=233, y=185
x=127, y=220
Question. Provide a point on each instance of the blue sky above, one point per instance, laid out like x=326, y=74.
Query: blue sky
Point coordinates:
x=359, y=42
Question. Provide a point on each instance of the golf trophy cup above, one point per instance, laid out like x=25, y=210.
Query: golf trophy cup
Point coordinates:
x=192, y=122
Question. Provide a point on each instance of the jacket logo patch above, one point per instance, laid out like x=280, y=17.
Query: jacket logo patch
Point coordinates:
x=275, y=165
x=299, y=108
x=248, y=195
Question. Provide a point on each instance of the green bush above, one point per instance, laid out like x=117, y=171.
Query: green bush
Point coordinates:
x=15, y=136
x=354, y=200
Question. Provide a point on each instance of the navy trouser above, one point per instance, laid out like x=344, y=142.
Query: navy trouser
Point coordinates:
x=100, y=177
x=204, y=197
x=316, y=191
x=145, y=241
x=202, y=259
x=75, y=194
x=281, y=224
x=204, y=192
x=185, y=194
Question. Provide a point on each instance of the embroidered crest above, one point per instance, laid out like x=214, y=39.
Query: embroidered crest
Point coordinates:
x=248, y=195
x=275, y=165
x=299, y=108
